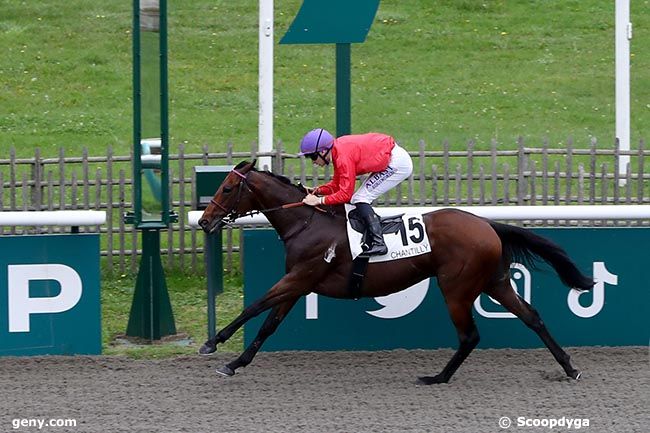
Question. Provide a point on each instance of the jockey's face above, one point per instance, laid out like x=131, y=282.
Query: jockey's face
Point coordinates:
x=324, y=158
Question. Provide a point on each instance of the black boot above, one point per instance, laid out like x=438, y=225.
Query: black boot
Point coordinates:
x=373, y=226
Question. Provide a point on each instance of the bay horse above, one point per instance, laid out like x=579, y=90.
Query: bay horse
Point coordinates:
x=469, y=255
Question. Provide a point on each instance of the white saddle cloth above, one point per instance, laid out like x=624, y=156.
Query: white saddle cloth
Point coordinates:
x=409, y=241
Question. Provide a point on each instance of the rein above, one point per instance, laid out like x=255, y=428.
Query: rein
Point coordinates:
x=232, y=215
x=290, y=206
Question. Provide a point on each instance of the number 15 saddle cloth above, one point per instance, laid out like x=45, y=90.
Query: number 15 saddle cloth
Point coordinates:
x=404, y=234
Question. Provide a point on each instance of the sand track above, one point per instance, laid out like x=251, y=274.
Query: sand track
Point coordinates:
x=329, y=392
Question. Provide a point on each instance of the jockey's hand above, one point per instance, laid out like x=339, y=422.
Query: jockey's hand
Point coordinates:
x=311, y=200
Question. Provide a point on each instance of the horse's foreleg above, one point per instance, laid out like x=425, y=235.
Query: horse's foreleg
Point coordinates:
x=461, y=315
x=249, y=312
x=524, y=311
x=279, y=293
x=273, y=320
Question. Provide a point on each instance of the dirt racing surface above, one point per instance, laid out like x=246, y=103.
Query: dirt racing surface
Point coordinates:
x=331, y=392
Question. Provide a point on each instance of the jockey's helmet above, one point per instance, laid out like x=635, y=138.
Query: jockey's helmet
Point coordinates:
x=316, y=140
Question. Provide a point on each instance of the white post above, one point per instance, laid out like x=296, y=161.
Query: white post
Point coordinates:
x=623, y=32
x=265, y=124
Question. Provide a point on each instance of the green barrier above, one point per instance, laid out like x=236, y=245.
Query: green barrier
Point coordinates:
x=614, y=313
x=49, y=295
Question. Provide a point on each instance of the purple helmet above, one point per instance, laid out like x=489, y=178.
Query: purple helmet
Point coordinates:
x=316, y=140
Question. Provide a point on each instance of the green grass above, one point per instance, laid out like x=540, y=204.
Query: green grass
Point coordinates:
x=188, y=297
x=432, y=70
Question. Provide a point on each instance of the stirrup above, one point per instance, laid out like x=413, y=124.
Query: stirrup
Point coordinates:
x=375, y=249
x=378, y=252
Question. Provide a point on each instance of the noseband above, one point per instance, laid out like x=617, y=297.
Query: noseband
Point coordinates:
x=232, y=215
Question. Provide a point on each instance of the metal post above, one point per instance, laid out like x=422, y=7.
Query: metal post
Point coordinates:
x=214, y=266
x=151, y=312
x=343, y=92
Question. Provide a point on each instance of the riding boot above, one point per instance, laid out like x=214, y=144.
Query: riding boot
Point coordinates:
x=373, y=226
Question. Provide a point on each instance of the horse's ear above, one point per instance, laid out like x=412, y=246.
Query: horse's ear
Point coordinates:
x=253, y=163
x=241, y=164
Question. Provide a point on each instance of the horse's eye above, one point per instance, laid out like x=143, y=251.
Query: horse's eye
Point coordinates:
x=227, y=189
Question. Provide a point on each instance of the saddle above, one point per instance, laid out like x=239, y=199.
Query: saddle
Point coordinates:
x=389, y=224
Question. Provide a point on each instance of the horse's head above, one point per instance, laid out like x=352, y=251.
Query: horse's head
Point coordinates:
x=232, y=199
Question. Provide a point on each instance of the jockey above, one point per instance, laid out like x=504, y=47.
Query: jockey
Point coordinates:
x=351, y=155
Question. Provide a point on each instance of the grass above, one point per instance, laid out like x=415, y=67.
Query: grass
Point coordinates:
x=454, y=70
x=189, y=304
x=432, y=70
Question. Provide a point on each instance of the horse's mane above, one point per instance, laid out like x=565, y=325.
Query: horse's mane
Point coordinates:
x=284, y=180
x=335, y=210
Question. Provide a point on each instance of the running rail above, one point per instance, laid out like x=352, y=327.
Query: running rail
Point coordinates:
x=510, y=213
x=73, y=218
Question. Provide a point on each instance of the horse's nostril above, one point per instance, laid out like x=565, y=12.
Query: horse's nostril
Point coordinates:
x=203, y=222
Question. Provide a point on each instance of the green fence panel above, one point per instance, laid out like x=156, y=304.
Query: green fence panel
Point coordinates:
x=615, y=313
x=49, y=295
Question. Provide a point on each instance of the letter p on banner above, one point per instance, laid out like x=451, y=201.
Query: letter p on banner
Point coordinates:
x=21, y=305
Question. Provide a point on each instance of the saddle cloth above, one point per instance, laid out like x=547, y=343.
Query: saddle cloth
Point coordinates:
x=405, y=235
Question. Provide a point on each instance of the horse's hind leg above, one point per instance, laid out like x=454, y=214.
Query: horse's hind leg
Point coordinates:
x=275, y=317
x=461, y=315
x=511, y=301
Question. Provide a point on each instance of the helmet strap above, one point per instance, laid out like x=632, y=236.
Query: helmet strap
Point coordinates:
x=323, y=156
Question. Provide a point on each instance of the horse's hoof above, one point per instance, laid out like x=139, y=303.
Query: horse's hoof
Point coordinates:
x=576, y=374
x=431, y=380
x=226, y=371
x=207, y=349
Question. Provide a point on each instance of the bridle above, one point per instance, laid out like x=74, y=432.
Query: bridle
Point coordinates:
x=231, y=215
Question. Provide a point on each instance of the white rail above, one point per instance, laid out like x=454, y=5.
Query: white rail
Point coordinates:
x=53, y=218
x=578, y=212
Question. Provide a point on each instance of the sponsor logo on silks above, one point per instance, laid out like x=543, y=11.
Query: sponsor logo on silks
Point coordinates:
x=377, y=178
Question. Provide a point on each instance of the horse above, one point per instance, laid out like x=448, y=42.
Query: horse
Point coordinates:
x=469, y=255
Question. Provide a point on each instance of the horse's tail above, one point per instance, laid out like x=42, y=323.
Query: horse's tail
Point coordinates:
x=523, y=246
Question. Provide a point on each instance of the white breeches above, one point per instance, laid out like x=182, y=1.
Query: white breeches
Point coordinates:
x=399, y=168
